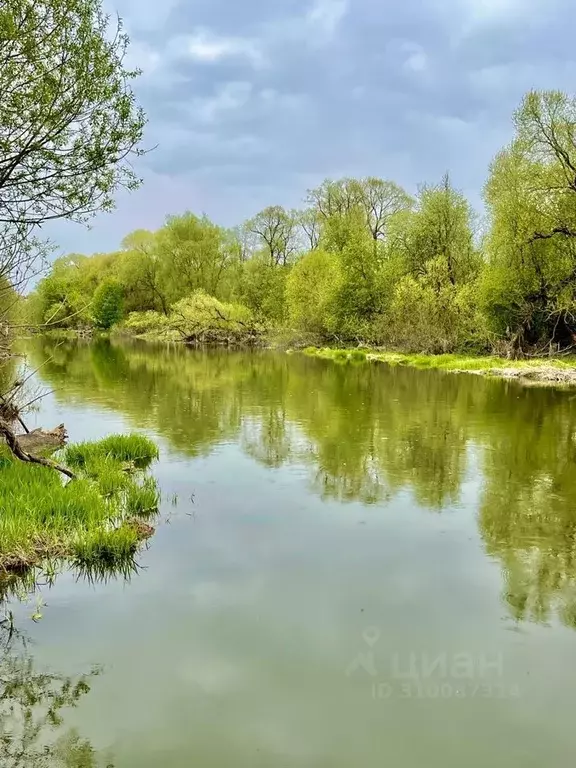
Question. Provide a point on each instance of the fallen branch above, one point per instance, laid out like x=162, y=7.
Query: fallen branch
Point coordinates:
x=13, y=444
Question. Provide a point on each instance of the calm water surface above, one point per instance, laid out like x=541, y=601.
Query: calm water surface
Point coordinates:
x=365, y=566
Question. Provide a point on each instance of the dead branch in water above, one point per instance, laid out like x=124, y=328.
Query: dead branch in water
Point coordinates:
x=14, y=444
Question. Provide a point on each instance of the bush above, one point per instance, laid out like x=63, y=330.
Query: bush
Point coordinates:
x=312, y=290
x=107, y=307
x=142, y=323
x=432, y=315
x=201, y=318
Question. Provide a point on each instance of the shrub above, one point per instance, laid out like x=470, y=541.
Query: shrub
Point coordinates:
x=201, y=318
x=312, y=290
x=141, y=323
x=107, y=306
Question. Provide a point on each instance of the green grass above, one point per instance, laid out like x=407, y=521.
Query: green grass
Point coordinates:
x=108, y=473
x=447, y=362
x=83, y=520
x=128, y=448
x=105, y=548
x=144, y=499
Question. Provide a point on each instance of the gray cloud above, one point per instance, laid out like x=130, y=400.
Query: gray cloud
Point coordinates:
x=252, y=102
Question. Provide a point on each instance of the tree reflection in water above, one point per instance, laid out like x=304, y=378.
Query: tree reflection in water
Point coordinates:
x=366, y=433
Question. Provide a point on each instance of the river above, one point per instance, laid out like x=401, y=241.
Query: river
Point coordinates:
x=354, y=565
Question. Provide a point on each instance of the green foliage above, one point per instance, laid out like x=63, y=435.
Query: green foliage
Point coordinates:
x=262, y=289
x=276, y=234
x=142, y=271
x=142, y=323
x=107, y=307
x=440, y=228
x=202, y=318
x=69, y=123
x=364, y=262
x=312, y=292
x=431, y=314
x=67, y=110
x=194, y=255
x=529, y=288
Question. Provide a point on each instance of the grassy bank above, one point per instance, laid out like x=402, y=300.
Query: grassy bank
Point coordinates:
x=96, y=519
x=543, y=371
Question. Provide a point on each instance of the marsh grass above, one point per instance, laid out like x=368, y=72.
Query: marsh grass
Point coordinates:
x=84, y=520
x=134, y=448
x=447, y=362
x=142, y=500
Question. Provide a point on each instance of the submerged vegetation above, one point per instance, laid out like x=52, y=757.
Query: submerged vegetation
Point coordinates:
x=95, y=518
x=364, y=263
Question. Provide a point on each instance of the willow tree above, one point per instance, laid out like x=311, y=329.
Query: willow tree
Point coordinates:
x=69, y=122
x=530, y=285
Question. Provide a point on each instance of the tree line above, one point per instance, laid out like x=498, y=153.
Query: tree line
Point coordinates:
x=364, y=261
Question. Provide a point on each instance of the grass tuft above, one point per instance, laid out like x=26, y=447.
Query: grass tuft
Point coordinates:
x=101, y=548
x=144, y=499
x=84, y=519
x=138, y=449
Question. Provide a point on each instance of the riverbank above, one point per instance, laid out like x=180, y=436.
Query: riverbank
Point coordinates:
x=551, y=371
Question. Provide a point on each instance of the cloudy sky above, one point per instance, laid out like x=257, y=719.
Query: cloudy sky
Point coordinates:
x=251, y=102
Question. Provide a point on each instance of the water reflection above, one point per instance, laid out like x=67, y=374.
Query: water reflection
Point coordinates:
x=32, y=711
x=34, y=703
x=365, y=433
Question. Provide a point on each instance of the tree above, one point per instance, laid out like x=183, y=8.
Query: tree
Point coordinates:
x=529, y=287
x=262, y=289
x=310, y=223
x=69, y=124
x=142, y=273
x=335, y=198
x=276, y=229
x=193, y=254
x=107, y=307
x=381, y=200
x=312, y=290
x=441, y=227
x=546, y=136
